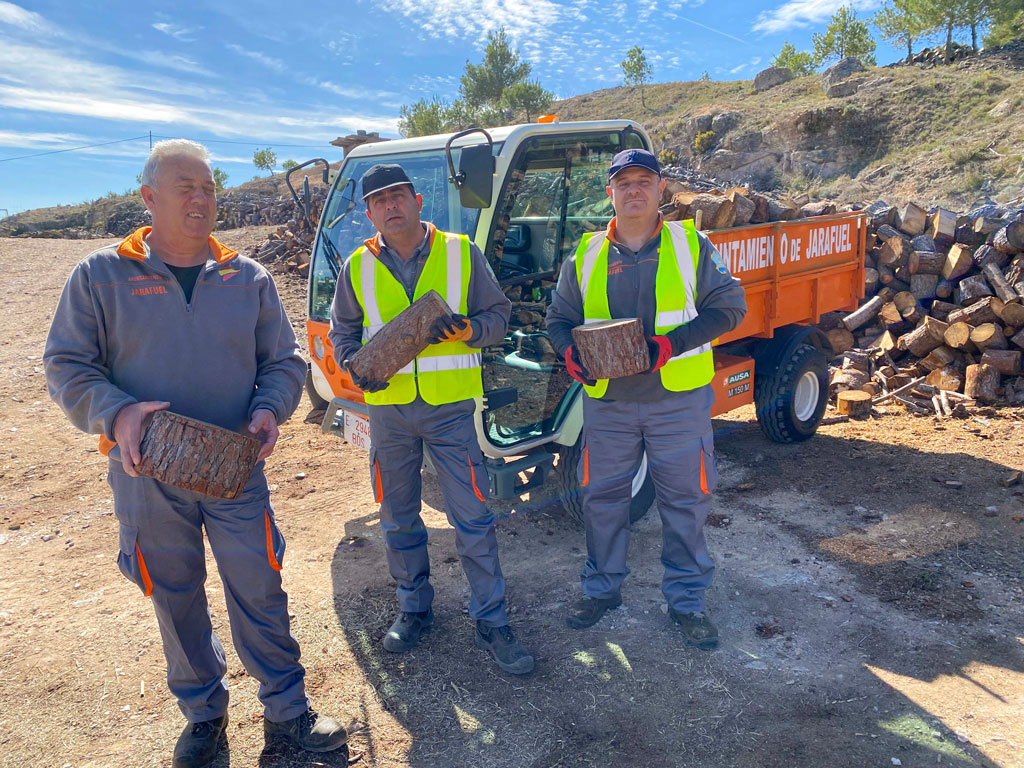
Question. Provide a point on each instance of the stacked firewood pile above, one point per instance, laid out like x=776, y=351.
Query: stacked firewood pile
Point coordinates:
x=943, y=324
x=736, y=207
x=289, y=245
x=244, y=209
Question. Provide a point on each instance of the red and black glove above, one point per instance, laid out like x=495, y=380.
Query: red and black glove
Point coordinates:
x=575, y=368
x=660, y=349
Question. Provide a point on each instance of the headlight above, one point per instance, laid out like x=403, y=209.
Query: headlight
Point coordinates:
x=318, y=347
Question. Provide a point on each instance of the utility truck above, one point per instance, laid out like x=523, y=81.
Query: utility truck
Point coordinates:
x=525, y=194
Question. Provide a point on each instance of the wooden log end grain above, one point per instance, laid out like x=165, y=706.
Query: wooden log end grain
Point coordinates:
x=855, y=403
x=196, y=456
x=612, y=349
x=982, y=382
x=400, y=340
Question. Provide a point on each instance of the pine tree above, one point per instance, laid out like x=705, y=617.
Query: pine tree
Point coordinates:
x=800, y=63
x=636, y=71
x=844, y=36
x=901, y=22
x=485, y=84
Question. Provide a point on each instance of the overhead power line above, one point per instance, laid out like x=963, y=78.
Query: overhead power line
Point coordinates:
x=73, y=149
x=248, y=143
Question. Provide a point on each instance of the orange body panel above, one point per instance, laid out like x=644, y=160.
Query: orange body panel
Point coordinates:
x=341, y=384
x=733, y=383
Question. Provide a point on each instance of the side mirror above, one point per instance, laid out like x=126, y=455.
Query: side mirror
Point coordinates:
x=475, y=179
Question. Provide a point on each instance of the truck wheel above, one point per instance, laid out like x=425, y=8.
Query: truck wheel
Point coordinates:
x=318, y=403
x=567, y=482
x=791, y=402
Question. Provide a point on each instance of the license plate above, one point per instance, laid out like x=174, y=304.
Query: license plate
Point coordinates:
x=356, y=430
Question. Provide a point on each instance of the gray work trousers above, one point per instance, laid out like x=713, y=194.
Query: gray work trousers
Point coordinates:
x=676, y=434
x=161, y=550
x=397, y=434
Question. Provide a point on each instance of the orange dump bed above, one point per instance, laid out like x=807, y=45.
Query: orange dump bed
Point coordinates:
x=795, y=271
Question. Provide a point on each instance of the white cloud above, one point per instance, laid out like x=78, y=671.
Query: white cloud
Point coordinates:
x=16, y=16
x=177, y=31
x=267, y=61
x=806, y=13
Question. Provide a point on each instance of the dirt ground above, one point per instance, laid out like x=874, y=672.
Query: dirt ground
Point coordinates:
x=871, y=613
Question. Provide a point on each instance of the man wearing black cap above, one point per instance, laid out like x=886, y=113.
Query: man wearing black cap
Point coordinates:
x=673, y=278
x=432, y=401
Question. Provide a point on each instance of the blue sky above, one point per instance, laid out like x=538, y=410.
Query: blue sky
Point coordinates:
x=244, y=75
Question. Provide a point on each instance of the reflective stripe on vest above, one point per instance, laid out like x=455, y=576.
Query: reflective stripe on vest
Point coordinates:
x=675, y=300
x=442, y=373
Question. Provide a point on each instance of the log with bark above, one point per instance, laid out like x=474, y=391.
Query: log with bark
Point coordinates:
x=1018, y=339
x=982, y=382
x=986, y=254
x=196, y=456
x=895, y=252
x=856, y=319
x=928, y=262
x=943, y=225
x=940, y=309
x=974, y=288
x=923, y=286
x=944, y=289
x=1002, y=288
x=948, y=378
x=890, y=318
x=988, y=336
x=840, y=339
x=743, y=207
x=855, y=403
x=1006, y=361
x=1009, y=239
x=986, y=225
x=985, y=311
x=939, y=357
x=396, y=344
x=913, y=219
x=958, y=336
x=845, y=379
x=611, y=349
x=923, y=339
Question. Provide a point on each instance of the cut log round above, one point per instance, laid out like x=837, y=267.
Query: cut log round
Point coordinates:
x=912, y=315
x=986, y=225
x=840, y=339
x=856, y=319
x=890, y=317
x=846, y=379
x=1006, y=361
x=988, y=336
x=949, y=378
x=923, y=286
x=974, y=288
x=1010, y=238
x=944, y=289
x=895, y=253
x=939, y=357
x=923, y=339
x=904, y=299
x=854, y=403
x=941, y=309
x=611, y=349
x=927, y=262
x=986, y=254
x=943, y=225
x=958, y=336
x=982, y=382
x=999, y=285
x=196, y=456
x=870, y=280
x=985, y=311
x=858, y=360
x=742, y=206
x=396, y=344
x=886, y=232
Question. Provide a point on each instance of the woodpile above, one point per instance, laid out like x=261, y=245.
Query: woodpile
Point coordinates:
x=284, y=246
x=713, y=208
x=941, y=327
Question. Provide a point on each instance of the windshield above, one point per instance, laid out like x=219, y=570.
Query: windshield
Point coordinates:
x=344, y=225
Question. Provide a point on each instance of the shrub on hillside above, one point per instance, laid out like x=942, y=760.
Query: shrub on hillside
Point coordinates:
x=668, y=157
x=702, y=142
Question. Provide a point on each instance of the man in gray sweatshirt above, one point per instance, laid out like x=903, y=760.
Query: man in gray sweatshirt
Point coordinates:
x=171, y=318
x=429, y=402
x=673, y=279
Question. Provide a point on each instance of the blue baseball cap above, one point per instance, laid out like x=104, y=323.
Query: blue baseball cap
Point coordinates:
x=634, y=158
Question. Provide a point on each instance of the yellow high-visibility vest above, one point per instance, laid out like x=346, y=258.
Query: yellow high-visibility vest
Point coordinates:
x=675, y=297
x=442, y=373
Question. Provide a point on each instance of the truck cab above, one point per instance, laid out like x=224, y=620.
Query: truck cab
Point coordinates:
x=543, y=190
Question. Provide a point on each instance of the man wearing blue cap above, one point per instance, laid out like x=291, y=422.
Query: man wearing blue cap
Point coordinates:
x=432, y=401
x=673, y=278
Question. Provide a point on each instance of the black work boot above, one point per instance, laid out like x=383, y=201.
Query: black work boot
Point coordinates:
x=502, y=645
x=309, y=731
x=199, y=743
x=587, y=611
x=697, y=629
x=406, y=631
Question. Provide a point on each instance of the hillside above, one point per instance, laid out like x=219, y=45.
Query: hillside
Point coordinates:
x=946, y=135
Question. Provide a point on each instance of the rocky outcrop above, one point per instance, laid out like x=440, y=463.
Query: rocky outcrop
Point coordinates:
x=841, y=70
x=771, y=77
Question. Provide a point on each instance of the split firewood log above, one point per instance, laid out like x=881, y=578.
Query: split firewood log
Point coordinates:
x=985, y=311
x=1010, y=238
x=913, y=219
x=958, y=336
x=1002, y=288
x=840, y=339
x=949, y=378
x=196, y=456
x=974, y=288
x=939, y=357
x=923, y=286
x=986, y=254
x=612, y=349
x=929, y=262
x=857, y=318
x=941, y=309
x=943, y=225
x=1018, y=339
x=958, y=262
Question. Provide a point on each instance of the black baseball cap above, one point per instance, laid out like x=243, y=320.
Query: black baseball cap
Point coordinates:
x=634, y=158
x=382, y=176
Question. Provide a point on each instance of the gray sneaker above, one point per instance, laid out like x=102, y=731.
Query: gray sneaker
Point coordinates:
x=310, y=731
x=697, y=629
x=502, y=645
x=199, y=743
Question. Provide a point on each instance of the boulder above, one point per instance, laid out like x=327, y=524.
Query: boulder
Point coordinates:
x=724, y=122
x=840, y=71
x=743, y=142
x=771, y=77
x=841, y=90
